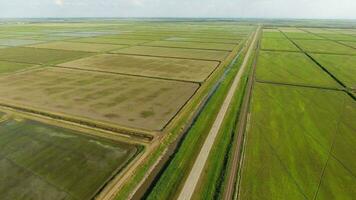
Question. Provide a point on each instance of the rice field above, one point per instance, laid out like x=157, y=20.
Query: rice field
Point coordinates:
x=199, y=54
x=143, y=103
x=39, y=56
x=280, y=44
x=158, y=67
x=291, y=68
x=76, y=46
x=342, y=66
x=192, y=45
x=325, y=46
x=11, y=67
x=301, y=132
x=40, y=161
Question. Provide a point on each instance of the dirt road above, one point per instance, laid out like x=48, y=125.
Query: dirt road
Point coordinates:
x=194, y=175
x=241, y=127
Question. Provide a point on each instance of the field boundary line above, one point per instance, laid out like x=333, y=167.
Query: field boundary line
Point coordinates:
x=190, y=35
x=195, y=173
x=299, y=85
x=175, y=47
x=280, y=50
x=183, y=58
x=284, y=167
x=337, y=131
x=125, y=74
x=81, y=122
x=36, y=66
x=203, y=42
x=83, y=130
x=325, y=38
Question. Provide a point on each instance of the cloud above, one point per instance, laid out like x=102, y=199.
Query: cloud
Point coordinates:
x=59, y=2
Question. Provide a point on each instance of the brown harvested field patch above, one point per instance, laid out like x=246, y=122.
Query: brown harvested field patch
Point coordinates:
x=78, y=46
x=176, y=52
x=136, y=102
x=168, y=68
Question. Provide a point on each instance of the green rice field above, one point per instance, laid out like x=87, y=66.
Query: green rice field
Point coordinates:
x=291, y=68
x=280, y=44
x=301, y=132
x=342, y=66
x=10, y=67
x=293, y=137
x=48, y=162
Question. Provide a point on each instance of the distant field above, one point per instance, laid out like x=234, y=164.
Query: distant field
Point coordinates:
x=337, y=36
x=350, y=43
x=76, y=46
x=278, y=44
x=170, y=68
x=39, y=56
x=39, y=161
x=144, y=103
x=9, y=67
x=291, y=68
x=325, y=46
x=204, y=40
x=175, y=52
x=18, y=42
x=301, y=35
x=104, y=40
x=342, y=67
x=291, y=133
x=273, y=34
x=196, y=45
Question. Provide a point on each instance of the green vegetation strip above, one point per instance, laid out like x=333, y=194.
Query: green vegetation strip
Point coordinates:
x=171, y=180
x=212, y=182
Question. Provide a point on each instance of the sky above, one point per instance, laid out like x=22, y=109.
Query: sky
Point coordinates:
x=324, y=9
